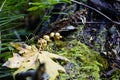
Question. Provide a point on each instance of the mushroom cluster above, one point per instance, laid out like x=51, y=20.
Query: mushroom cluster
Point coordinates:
x=42, y=42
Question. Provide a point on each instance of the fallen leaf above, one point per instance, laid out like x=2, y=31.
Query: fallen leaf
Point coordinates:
x=31, y=58
x=52, y=68
x=24, y=49
x=29, y=63
x=14, y=62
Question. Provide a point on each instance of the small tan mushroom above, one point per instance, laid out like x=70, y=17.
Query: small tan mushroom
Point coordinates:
x=57, y=34
x=46, y=37
x=42, y=44
x=52, y=34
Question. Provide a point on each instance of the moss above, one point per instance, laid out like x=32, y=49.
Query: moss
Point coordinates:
x=87, y=62
x=116, y=75
x=85, y=58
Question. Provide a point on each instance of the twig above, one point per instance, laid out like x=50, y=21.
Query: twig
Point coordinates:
x=80, y=3
x=94, y=22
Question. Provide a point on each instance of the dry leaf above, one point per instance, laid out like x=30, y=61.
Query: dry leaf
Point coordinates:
x=30, y=59
x=24, y=49
x=15, y=61
x=51, y=67
x=29, y=63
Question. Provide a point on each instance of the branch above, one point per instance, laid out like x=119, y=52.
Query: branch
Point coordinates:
x=80, y=3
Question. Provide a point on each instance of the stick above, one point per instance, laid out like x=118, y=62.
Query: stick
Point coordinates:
x=80, y=3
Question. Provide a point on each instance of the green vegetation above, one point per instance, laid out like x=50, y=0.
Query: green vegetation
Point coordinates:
x=86, y=63
x=15, y=18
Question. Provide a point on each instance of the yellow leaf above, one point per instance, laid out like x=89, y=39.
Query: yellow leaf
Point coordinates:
x=24, y=49
x=31, y=58
x=51, y=67
x=51, y=55
x=14, y=62
x=29, y=63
